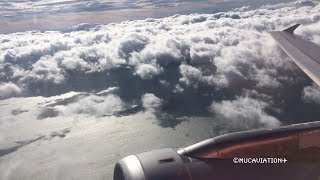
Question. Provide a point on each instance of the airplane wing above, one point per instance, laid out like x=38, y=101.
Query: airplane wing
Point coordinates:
x=294, y=151
x=304, y=53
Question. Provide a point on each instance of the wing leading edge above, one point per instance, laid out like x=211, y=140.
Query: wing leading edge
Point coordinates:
x=304, y=53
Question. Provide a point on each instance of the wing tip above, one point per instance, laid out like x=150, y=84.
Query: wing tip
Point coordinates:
x=292, y=28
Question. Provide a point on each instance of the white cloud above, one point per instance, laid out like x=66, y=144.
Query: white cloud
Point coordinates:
x=8, y=90
x=226, y=51
x=311, y=94
x=29, y=7
x=73, y=63
x=223, y=51
x=174, y=66
x=178, y=89
x=192, y=76
x=45, y=69
x=132, y=43
x=94, y=105
x=151, y=102
x=243, y=113
x=108, y=91
x=147, y=71
x=216, y=49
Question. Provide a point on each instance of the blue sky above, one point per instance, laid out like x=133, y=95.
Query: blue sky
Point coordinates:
x=22, y=15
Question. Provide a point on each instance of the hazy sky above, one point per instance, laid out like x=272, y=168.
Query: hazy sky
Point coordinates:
x=21, y=15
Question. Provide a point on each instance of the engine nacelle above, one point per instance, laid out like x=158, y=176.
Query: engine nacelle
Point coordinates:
x=218, y=158
x=161, y=164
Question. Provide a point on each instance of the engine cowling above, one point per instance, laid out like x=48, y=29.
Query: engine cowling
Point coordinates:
x=160, y=164
x=215, y=158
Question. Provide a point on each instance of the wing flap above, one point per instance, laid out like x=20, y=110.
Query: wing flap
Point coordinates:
x=304, y=53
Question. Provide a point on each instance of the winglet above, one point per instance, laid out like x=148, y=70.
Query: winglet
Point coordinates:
x=292, y=28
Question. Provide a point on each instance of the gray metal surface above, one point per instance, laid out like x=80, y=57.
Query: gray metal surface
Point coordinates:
x=304, y=53
x=238, y=137
x=153, y=165
x=163, y=164
x=187, y=164
x=129, y=168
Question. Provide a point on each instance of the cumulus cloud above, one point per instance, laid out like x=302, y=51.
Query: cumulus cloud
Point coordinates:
x=192, y=76
x=243, y=113
x=196, y=58
x=202, y=74
x=147, y=71
x=216, y=50
x=8, y=90
x=45, y=70
x=151, y=102
x=94, y=105
x=311, y=94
